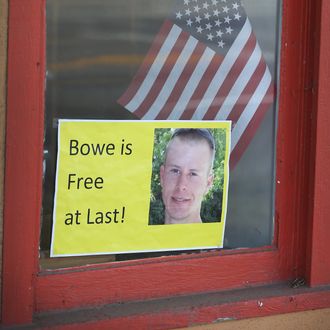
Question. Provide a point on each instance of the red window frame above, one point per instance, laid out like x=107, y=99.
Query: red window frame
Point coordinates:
x=301, y=204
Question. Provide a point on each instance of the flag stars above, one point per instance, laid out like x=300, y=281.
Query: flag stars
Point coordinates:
x=237, y=16
x=227, y=19
x=221, y=44
x=178, y=15
x=198, y=19
x=188, y=12
x=210, y=36
x=235, y=5
x=208, y=26
x=211, y=20
x=199, y=29
x=219, y=33
x=197, y=9
x=205, y=5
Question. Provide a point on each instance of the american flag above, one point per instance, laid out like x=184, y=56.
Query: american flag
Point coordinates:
x=204, y=64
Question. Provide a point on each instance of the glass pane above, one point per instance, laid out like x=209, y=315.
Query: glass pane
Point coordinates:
x=95, y=49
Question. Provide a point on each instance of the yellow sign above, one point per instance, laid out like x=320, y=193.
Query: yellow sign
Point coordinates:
x=133, y=186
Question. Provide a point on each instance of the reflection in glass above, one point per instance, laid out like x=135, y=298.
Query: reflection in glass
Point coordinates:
x=95, y=48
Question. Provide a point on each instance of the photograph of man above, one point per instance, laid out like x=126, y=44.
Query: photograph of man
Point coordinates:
x=186, y=174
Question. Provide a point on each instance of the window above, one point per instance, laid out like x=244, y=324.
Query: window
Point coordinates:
x=143, y=279
x=93, y=53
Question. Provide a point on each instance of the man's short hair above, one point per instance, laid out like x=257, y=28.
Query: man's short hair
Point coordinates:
x=195, y=134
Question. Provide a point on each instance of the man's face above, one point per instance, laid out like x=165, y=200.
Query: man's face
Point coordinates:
x=185, y=178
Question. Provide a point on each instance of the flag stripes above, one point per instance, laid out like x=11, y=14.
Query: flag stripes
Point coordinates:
x=151, y=64
x=174, y=74
x=252, y=126
x=247, y=92
x=226, y=92
x=182, y=78
x=203, y=83
x=179, y=93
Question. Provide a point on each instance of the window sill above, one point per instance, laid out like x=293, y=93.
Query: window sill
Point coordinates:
x=189, y=310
